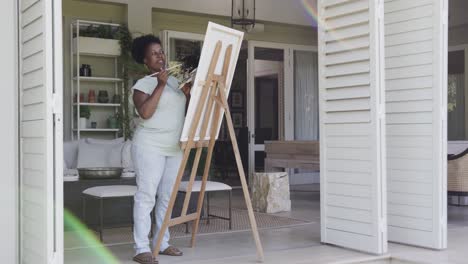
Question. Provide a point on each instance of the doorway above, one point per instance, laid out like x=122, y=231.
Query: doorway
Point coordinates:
x=267, y=102
x=282, y=81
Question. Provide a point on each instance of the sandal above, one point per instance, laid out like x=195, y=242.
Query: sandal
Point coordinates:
x=172, y=251
x=145, y=258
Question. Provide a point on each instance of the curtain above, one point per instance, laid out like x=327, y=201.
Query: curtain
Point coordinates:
x=306, y=112
x=306, y=109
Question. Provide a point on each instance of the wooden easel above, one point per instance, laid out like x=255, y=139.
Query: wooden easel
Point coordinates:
x=213, y=95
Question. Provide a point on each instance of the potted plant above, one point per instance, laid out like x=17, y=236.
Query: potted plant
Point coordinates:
x=85, y=113
x=98, y=40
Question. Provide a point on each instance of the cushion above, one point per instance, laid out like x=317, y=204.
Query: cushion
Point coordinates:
x=99, y=155
x=70, y=153
x=111, y=191
x=105, y=141
x=210, y=186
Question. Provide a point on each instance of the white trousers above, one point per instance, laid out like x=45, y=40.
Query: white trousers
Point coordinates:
x=156, y=175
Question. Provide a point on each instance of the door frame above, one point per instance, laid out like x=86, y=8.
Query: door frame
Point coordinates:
x=58, y=86
x=288, y=73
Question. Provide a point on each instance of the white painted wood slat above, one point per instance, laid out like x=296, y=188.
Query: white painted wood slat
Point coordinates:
x=351, y=95
x=409, y=83
x=347, y=93
x=357, y=178
x=415, y=38
x=346, y=21
x=37, y=135
x=408, y=37
x=350, y=214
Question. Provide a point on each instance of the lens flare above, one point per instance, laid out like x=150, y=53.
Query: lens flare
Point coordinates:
x=311, y=11
x=337, y=35
x=89, y=239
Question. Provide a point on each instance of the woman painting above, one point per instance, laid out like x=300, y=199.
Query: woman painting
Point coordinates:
x=156, y=153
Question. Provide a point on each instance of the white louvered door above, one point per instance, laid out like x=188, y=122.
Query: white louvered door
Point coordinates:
x=41, y=203
x=416, y=102
x=352, y=125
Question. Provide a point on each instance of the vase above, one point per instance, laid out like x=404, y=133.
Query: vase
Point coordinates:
x=112, y=122
x=83, y=123
x=91, y=96
x=103, y=97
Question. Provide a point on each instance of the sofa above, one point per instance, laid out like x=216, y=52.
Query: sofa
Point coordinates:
x=89, y=152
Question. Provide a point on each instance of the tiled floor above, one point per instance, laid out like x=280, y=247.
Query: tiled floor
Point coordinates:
x=299, y=244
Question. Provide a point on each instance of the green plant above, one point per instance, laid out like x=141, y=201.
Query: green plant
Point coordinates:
x=99, y=31
x=85, y=112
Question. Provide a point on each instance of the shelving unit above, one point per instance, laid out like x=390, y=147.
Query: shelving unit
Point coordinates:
x=95, y=49
x=97, y=104
x=98, y=130
x=97, y=79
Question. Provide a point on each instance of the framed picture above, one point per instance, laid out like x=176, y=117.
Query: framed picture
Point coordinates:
x=237, y=119
x=237, y=99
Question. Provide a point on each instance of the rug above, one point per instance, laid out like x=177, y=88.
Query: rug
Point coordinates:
x=240, y=222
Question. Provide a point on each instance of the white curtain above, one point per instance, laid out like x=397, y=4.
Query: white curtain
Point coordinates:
x=306, y=112
x=456, y=107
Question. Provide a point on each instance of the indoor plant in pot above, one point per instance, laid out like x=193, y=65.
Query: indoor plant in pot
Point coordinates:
x=85, y=113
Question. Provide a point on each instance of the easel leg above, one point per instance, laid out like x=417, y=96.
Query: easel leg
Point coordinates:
x=205, y=178
x=240, y=168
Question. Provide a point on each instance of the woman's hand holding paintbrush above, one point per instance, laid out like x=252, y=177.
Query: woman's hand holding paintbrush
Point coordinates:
x=164, y=70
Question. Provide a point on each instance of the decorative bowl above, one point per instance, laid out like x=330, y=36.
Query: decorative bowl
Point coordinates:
x=100, y=173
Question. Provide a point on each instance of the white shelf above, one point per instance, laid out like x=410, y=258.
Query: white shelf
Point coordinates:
x=97, y=130
x=97, y=79
x=84, y=54
x=96, y=47
x=98, y=104
x=99, y=49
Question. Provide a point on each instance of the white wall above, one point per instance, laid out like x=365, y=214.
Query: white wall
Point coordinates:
x=8, y=136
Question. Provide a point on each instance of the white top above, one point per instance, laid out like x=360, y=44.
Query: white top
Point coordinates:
x=210, y=186
x=111, y=191
x=163, y=129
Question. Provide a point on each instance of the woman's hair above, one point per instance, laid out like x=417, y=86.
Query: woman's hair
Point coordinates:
x=140, y=45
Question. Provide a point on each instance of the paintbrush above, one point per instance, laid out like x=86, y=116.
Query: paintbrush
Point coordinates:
x=156, y=73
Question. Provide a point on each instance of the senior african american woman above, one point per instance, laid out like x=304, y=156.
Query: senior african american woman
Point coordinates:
x=156, y=153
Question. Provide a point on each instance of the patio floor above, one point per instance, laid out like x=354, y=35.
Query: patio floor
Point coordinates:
x=295, y=244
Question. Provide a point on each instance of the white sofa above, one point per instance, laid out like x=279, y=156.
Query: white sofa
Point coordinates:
x=89, y=152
